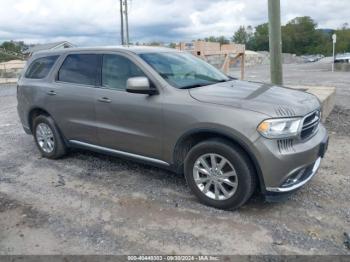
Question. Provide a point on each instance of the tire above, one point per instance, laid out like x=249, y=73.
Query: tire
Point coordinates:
x=240, y=181
x=53, y=137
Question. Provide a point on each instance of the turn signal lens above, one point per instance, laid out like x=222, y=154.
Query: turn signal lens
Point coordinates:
x=264, y=127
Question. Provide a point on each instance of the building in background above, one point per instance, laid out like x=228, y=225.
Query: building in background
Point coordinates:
x=50, y=46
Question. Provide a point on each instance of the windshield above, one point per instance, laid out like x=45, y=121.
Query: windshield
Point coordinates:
x=183, y=70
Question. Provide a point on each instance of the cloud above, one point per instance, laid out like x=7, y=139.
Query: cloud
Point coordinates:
x=91, y=22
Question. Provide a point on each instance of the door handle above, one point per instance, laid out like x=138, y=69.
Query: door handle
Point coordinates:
x=104, y=100
x=51, y=93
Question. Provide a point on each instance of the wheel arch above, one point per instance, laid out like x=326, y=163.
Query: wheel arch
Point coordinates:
x=193, y=137
x=36, y=111
x=33, y=113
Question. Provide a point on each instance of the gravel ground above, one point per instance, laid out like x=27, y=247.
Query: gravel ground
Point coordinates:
x=88, y=203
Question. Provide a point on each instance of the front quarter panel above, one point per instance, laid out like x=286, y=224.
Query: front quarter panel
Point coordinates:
x=184, y=115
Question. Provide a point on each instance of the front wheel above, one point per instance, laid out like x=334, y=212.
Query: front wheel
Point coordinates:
x=220, y=174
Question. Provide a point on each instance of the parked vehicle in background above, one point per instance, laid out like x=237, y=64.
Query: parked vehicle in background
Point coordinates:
x=173, y=110
x=343, y=58
x=312, y=58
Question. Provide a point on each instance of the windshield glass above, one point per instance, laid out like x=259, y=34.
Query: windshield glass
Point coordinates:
x=183, y=70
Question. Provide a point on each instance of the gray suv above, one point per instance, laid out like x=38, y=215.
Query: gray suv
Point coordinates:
x=175, y=111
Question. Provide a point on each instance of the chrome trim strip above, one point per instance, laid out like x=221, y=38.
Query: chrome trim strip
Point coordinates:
x=122, y=153
x=303, y=128
x=291, y=188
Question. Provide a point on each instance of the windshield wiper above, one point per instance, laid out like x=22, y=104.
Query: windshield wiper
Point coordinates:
x=193, y=86
x=200, y=85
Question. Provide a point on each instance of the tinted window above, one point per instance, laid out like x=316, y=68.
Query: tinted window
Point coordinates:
x=40, y=67
x=116, y=70
x=79, y=69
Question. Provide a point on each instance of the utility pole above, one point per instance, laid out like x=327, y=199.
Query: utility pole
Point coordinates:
x=121, y=22
x=127, y=22
x=334, y=38
x=124, y=15
x=275, y=39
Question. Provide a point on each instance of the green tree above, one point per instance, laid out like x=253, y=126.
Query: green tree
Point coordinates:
x=210, y=39
x=260, y=39
x=172, y=45
x=4, y=57
x=221, y=39
x=11, y=46
x=343, y=39
x=242, y=35
x=299, y=36
x=154, y=43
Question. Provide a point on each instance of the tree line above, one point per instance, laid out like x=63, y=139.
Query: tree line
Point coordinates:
x=11, y=50
x=299, y=36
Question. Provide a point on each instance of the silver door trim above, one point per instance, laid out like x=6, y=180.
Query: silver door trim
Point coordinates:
x=121, y=153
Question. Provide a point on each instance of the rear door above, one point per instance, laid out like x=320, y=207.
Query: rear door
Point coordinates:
x=127, y=122
x=71, y=97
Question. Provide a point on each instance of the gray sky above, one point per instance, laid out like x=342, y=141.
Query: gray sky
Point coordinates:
x=97, y=22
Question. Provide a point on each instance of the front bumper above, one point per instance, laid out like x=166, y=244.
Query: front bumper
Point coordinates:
x=285, y=171
x=298, y=182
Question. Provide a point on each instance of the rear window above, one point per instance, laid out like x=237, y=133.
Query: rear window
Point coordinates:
x=40, y=67
x=79, y=69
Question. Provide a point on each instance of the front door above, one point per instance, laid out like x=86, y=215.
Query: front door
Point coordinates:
x=127, y=122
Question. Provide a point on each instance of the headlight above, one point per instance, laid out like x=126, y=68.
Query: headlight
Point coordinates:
x=280, y=128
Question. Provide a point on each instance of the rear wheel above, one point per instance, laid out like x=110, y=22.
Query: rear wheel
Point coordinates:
x=48, y=138
x=220, y=174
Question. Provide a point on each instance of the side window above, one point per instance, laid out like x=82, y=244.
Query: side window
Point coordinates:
x=40, y=67
x=79, y=69
x=116, y=70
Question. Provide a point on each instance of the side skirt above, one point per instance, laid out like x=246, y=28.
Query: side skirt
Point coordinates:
x=122, y=154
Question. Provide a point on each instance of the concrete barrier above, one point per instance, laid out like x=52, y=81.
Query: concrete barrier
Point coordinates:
x=326, y=94
x=8, y=80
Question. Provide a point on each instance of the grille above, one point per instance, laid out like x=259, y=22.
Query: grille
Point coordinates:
x=310, y=124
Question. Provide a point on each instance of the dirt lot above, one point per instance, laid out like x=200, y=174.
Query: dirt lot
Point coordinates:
x=88, y=203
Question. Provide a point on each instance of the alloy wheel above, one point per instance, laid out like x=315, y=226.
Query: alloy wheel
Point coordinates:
x=45, y=137
x=215, y=176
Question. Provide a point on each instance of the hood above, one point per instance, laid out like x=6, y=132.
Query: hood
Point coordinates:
x=271, y=100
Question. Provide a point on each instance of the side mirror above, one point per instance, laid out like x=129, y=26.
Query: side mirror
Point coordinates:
x=139, y=85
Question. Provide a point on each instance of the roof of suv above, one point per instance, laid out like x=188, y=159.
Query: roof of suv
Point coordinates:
x=132, y=49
